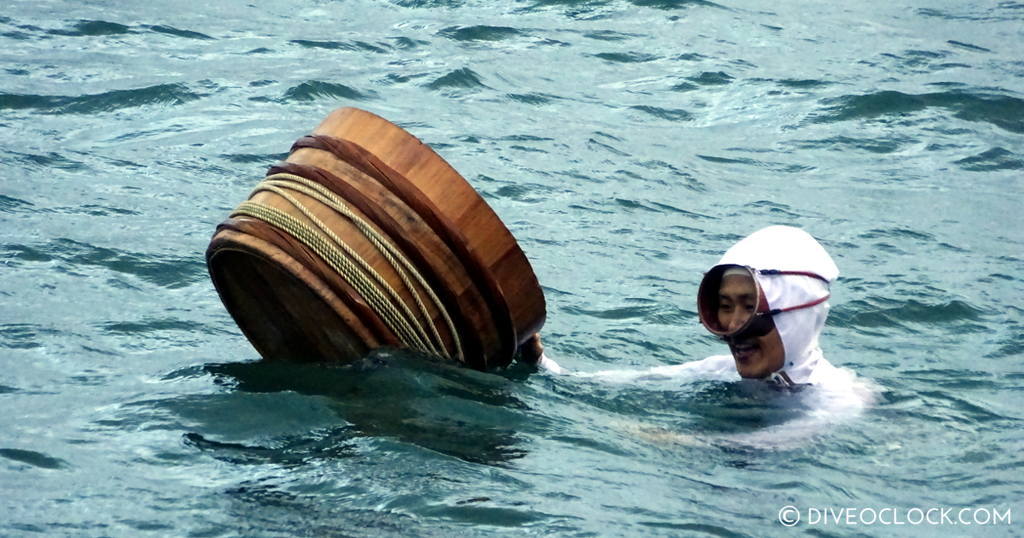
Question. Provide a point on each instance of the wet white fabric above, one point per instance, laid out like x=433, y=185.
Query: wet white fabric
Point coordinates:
x=833, y=396
x=785, y=248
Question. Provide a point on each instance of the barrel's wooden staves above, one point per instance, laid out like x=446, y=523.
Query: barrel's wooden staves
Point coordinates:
x=290, y=303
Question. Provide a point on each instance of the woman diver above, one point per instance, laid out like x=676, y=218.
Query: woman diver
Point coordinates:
x=766, y=298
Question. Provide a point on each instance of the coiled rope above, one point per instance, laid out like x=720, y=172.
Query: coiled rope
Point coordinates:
x=352, y=267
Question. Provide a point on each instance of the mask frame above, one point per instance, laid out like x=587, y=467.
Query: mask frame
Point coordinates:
x=761, y=322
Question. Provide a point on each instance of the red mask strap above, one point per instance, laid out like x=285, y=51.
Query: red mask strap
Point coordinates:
x=799, y=306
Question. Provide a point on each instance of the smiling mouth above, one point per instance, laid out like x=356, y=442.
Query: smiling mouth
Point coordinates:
x=743, y=350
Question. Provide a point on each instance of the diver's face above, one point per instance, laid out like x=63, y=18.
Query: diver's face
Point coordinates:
x=756, y=357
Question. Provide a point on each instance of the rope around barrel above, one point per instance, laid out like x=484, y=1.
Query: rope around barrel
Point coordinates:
x=353, y=268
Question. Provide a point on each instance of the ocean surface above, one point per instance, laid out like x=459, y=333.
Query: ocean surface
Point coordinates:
x=626, y=144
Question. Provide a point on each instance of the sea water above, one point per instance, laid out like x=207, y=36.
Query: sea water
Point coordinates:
x=626, y=144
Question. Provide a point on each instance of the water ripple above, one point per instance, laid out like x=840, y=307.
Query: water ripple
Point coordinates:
x=313, y=90
x=1000, y=110
x=161, y=94
x=479, y=33
x=889, y=144
x=156, y=325
x=33, y=458
x=993, y=159
x=707, y=78
x=904, y=314
x=93, y=28
x=23, y=335
x=188, y=34
x=163, y=270
x=968, y=46
x=626, y=57
x=293, y=450
x=14, y=205
x=464, y=78
x=670, y=114
x=358, y=46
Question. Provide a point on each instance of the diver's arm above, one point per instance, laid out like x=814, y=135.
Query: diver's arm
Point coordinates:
x=532, y=352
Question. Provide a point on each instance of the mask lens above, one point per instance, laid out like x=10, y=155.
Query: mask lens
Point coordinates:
x=709, y=298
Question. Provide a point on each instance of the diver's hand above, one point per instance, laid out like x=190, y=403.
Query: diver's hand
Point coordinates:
x=532, y=350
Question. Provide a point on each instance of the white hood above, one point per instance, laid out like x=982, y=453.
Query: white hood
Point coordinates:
x=785, y=248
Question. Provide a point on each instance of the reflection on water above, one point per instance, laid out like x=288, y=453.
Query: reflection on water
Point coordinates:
x=462, y=413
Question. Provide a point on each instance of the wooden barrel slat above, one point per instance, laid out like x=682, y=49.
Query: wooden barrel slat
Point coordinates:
x=296, y=257
x=408, y=192
x=245, y=294
x=410, y=195
x=411, y=235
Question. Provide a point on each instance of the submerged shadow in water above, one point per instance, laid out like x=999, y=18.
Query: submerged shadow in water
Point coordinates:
x=456, y=411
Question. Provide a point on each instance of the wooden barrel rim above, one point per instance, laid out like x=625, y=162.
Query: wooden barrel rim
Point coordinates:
x=409, y=194
x=471, y=340
x=496, y=247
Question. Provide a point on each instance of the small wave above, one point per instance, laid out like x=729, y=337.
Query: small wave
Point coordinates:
x=904, y=314
x=13, y=205
x=898, y=234
x=157, y=325
x=1008, y=347
x=162, y=94
x=525, y=192
x=803, y=83
x=315, y=89
x=872, y=145
x=250, y=158
x=670, y=114
x=940, y=14
x=170, y=30
x=604, y=147
x=33, y=458
x=647, y=312
x=50, y=160
x=871, y=105
x=479, y=33
x=709, y=78
x=626, y=57
x=672, y=4
x=407, y=43
x=93, y=28
x=1000, y=110
x=968, y=46
x=609, y=35
x=775, y=208
x=675, y=176
x=166, y=271
x=531, y=98
x=993, y=159
x=95, y=210
x=292, y=450
x=23, y=335
x=778, y=167
x=428, y=3
x=684, y=87
x=464, y=78
x=340, y=45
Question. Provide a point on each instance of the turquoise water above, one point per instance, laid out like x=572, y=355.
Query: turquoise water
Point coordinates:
x=626, y=144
